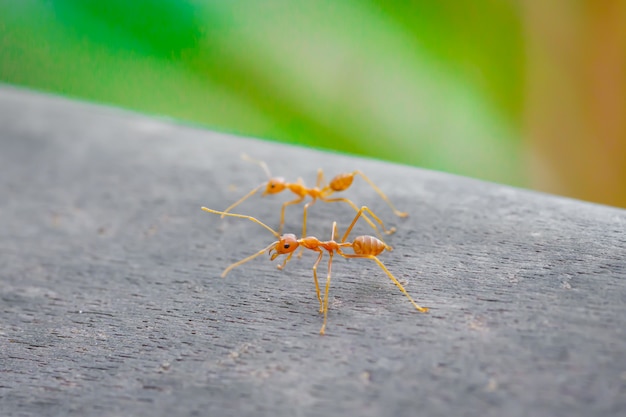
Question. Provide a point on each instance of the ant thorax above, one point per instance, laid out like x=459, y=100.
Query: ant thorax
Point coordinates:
x=310, y=242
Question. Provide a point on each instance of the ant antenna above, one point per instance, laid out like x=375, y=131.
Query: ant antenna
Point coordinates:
x=251, y=257
x=262, y=164
x=243, y=216
x=241, y=200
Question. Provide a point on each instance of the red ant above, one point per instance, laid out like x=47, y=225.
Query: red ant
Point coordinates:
x=341, y=182
x=363, y=246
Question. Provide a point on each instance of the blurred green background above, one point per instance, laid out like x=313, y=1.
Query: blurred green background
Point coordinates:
x=442, y=84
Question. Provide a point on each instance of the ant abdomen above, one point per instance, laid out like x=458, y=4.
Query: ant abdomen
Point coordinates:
x=368, y=245
x=341, y=182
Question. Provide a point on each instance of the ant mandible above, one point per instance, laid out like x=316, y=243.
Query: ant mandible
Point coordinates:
x=341, y=182
x=367, y=247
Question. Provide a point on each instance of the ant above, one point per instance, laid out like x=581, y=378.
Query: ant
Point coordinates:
x=363, y=246
x=341, y=182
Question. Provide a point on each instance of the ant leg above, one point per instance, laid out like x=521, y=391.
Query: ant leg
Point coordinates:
x=306, y=207
x=373, y=226
x=381, y=194
x=334, y=232
x=281, y=266
x=390, y=275
x=360, y=213
x=242, y=199
x=304, y=217
x=395, y=281
x=282, y=211
x=371, y=213
x=317, y=286
x=320, y=178
x=325, y=310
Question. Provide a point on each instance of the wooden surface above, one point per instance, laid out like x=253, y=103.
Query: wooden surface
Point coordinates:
x=111, y=301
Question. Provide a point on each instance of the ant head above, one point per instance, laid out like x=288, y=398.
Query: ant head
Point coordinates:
x=274, y=186
x=287, y=244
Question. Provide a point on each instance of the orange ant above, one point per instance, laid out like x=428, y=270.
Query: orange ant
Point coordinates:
x=341, y=182
x=363, y=246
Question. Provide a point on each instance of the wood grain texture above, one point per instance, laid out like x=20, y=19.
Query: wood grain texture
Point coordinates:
x=111, y=301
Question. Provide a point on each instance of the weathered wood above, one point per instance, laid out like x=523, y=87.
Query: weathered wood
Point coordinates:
x=111, y=301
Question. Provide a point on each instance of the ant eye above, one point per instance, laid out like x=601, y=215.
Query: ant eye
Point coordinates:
x=286, y=246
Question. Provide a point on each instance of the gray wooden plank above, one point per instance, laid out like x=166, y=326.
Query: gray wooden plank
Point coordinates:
x=111, y=301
